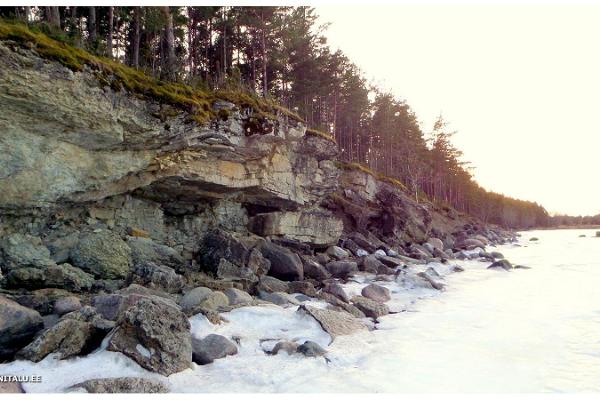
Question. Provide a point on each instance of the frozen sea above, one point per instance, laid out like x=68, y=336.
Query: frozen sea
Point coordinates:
x=527, y=330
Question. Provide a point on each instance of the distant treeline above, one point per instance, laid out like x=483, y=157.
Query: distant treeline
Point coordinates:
x=281, y=53
x=568, y=220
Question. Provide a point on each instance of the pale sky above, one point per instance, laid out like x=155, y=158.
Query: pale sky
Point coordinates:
x=520, y=84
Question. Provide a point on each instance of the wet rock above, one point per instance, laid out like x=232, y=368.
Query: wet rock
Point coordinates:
x=337, y=252
x=497, y=254
x=120, y=385
x=23, y=251
x=159, y=277
x=339, y=305
x=376, y=292
x=202, y=299
x=503, y=264
x=237, y=296
x=457, y=268
x=278, y=298
x=335, y=323
x=371, y=264
x=436, y=243
x=66, y=276
x=66, y=305
x=144, y=251
x=534, y=239
x=471, y=243
x=231, y=256
x=212, y=347
x=303, y=287
x=486, y=255
x=285, y=346
x=156, y=335
x=76, y=333
x=271, y=284
x=18, y=325
x=285, y=265
x=385, y=270
x=392, y=262
x=342, y=269
x=337, y=290
x=432, y=272
x=522, y=267
x=314, y=270
x=432, y=281
x=370, y=308
x=363, y=242
x=103, y=254
x=311, y=349
x=67, y=338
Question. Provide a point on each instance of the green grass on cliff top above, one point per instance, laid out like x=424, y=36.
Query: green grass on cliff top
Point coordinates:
x=379, y=176
x=119, y=76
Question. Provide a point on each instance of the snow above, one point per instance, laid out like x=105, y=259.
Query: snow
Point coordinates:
x=523, y=331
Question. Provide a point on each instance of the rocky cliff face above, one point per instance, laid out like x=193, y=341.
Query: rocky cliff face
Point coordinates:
x=115, y=208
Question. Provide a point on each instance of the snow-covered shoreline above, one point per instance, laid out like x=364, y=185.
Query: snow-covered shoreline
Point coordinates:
x=256, y=329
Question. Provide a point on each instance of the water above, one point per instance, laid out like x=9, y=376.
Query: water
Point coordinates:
x=534, y=330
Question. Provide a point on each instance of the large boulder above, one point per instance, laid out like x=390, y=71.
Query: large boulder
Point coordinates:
x=285, y=264
x=335, y=323
x=66, y=276
x=19, y=251
x=77, y=333
x=231, y=256
x=371, y=308
x=436, y=243
x=314, y=270
x=145, y=250
x=111, y=306
x=342, y=269
x=237, y=296
x=156, y=335
x=337, y=252
x=371, y=264
x=337, y=290
x=471, y=243
x=18, y=325
x=158, y=277
x=501, y=264
x=376, y=292
x=67, y=338
x=270, y=284
x=313, y=227
x=202, y=299
x=103, y=254
x=120, y=385
x=212, y=347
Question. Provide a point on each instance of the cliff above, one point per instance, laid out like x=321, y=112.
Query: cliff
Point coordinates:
x=110, y=194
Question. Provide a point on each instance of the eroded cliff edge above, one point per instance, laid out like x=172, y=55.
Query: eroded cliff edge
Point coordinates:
x=129, y=207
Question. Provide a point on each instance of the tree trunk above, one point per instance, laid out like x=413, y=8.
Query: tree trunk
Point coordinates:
x=135, y=40
x=92, y=26
x=169, y=47
x=27, y=13
x=109, y=37
x=52, y=15
x=264, y=55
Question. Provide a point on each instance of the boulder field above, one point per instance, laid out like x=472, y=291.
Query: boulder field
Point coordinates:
x=121, y=217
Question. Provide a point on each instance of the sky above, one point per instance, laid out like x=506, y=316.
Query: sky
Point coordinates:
x=519, y=84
